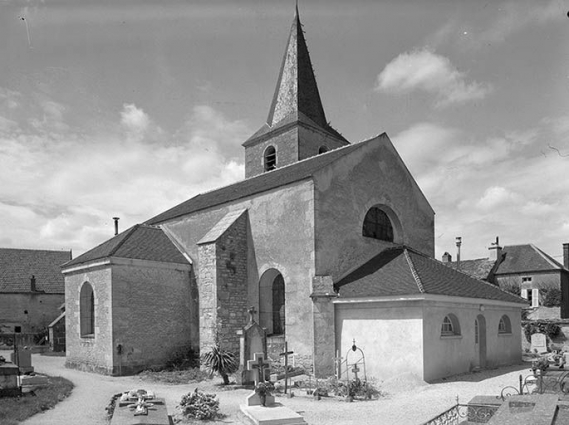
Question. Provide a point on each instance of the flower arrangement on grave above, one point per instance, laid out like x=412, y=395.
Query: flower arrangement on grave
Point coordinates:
x=263, y=389
x=541, y=364
x=199, y=405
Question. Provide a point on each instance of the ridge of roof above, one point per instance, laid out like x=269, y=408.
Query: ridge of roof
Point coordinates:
x=413, y=270
x=259, y=183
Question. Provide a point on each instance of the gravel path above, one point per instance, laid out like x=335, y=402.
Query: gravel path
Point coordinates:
x=409, y=400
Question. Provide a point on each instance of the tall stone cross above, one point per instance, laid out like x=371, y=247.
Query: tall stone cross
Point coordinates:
x=259, y=365
x=252, y=311
x=286, y=354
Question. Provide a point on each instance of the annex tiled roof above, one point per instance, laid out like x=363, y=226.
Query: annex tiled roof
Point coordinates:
x=526, y=258
x=257, y=184
x=18, y=265
x=479, y=268
x=403, y=271
x=140, y=242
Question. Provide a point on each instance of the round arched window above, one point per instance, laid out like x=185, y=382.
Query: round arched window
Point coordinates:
x=377, y=225
x=270, y=158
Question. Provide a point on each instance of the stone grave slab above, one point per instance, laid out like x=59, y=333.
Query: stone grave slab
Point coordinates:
x=23, y=359
x=277, y=414
x=9, y=380
x=539, y=343
x=125, y=412
x=526, y=410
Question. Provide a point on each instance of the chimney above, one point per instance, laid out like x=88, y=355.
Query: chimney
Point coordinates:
x=116, y=219
x=566, y=255
x=495, y=250
x=33, y=283
x=458, y=244
x=447, y=258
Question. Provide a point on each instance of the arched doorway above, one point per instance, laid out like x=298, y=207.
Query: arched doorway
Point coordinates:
x=272, y=302
x=480, y=341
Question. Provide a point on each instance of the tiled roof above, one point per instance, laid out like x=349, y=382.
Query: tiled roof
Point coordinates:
x=526, y=258
x=18, y=265
x=402, y=271
x=479, y=268
x=140, y=242
x=257, y=184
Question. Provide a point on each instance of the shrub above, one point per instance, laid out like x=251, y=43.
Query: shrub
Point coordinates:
x=199, y=405
x=548, y=328
x=220, y=361
x=183, y=358
x=551, y=297
x=354, y=388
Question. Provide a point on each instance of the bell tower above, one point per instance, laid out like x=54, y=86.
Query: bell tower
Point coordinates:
x=296, y=126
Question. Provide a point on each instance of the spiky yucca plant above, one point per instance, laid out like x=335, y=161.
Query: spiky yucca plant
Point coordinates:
x=220, y=361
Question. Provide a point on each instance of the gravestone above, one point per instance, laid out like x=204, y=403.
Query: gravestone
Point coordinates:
x=140, y=408
x=23, y=358
x=539, y=343
x=259, y=366
x=252, y=339
x=9, y=380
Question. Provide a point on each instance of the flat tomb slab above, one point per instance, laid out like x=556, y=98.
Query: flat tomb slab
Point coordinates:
x=276, y=414
x=157, y=414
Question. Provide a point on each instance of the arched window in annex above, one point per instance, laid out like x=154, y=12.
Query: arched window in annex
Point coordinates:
x=270, y=158
x=450, y=326
x=272, y=302
x=505, y=325
x=323, y=149
x=87, y=310
x=378, y=225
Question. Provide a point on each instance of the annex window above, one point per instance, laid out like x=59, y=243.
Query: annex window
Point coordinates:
x=270, y=158
x=505, y=326
x=322, y=149
x=450, y=326
x=377, y=225
x=87, y=311
x=278, y=305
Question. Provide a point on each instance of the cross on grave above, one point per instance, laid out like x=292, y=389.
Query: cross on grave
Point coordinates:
x=355, y=370
x=259, y=365
x=252, y=311
x=286, y=354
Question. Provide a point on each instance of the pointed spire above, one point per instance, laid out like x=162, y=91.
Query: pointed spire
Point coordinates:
x=296, y=89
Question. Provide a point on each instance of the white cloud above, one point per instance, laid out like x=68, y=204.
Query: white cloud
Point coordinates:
x=60, y=188
x=427, y=71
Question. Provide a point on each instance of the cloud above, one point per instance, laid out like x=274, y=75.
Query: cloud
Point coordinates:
x=509, y=185
x=62, y=187
x=427, y=71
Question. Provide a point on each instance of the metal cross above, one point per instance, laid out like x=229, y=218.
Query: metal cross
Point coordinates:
x=286, y=354
x=356, y=369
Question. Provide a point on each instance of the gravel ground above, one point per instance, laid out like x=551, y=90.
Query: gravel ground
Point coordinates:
x=409, y=400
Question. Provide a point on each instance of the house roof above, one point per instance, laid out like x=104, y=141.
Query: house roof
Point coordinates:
x=140, y=242
x=479, y=268
x=260, y=183
x=402, y=271
x=526, y=258
x=18, y=265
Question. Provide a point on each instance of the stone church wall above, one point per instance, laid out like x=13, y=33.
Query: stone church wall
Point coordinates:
x=372, y=175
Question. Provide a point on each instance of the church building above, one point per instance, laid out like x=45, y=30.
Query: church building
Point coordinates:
x=329, y=241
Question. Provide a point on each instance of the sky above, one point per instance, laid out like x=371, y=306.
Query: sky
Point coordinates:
x=126, y=108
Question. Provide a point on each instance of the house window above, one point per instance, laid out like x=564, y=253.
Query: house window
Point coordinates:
x=322, y=149
x=526, y=279
x=17, y=329
x=87, y=311
x=505, y=326
x=476, y=332
x=270, y=157
x=450, y=326
x=377, y=225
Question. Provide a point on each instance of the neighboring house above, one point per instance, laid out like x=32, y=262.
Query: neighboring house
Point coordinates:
x=329, y=241
x=31, y=288
x=525, y=269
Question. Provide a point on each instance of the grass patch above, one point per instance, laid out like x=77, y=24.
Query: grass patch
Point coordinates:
x=175, y=376
x=14, y=410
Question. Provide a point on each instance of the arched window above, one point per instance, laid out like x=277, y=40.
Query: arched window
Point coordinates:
x=270, y=157
x=87, y=310
x=377, y=225
x=505, y=326
x=278, y=305
x=450, y=326
x=322, y=149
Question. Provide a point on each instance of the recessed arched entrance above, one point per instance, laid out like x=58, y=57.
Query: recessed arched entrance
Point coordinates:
x=480, y=341
x=272, y=302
